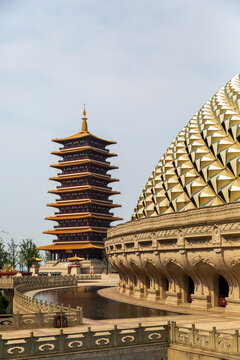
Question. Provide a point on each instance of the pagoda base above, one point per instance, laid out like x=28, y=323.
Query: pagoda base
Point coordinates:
x=75, y=269
x=92, y=266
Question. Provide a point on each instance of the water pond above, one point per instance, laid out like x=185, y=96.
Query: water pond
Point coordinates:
x=95, y=306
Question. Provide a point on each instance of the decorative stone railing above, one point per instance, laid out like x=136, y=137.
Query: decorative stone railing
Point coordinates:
x=32, y=313
x=188, y=339
x=209, y=340
x=36, y=346
x=26, y=304
x=40, y=319
x=10, y=282
x=86, y=277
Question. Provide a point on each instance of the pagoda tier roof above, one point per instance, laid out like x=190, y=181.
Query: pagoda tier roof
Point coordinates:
x=83, y=134
x=81, y=202
x=82, y=161
x=76, y=230
x=70, y=216
x=82, y=148
x=82, y=174
x=82, y=188
x=70, y=246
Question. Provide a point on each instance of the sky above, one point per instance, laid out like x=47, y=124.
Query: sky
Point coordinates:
x=143, y=68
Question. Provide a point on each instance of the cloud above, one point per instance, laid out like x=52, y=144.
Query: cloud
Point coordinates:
x=143, y=68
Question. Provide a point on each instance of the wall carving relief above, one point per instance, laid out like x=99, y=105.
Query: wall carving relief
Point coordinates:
x=202, y=259
x=186, y=246
x=173, y=260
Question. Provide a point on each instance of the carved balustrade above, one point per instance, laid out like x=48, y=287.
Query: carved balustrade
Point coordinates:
x=33, y=313
x=26, y=304
x=36, y=346
x=209, y=340
x=212, y=342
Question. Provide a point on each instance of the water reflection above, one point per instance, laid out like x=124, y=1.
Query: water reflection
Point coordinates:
x=95, y=306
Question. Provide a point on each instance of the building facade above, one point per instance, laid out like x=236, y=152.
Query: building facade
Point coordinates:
x=183, y=243
x=83, y=208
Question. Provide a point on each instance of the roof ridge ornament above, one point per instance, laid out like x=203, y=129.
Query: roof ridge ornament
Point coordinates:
x=84, y=121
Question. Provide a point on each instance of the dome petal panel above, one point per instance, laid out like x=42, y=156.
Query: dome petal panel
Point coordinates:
x=201, y=167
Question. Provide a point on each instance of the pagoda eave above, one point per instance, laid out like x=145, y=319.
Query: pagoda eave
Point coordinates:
x=82, y=188
x=70, y=246
x=89, y=215
x=75, y=231
x=87, y=201
x=82, y=148
x=83, y=134
x=81, y=175
x=64, y=164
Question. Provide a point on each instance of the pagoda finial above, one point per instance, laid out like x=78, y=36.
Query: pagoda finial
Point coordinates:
x=84, y=121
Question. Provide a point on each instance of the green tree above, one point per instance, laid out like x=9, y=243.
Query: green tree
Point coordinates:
x=20, y=261
x=47, y=256
x=3, y=303
x=12, y=253
x=26, y=253
x=105, y=260
x=3, y=254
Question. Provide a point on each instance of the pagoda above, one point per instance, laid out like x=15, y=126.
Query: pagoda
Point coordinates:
x=84, y=209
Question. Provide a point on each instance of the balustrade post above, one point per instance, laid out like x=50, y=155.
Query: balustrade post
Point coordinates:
x=173, y=332
x=1, y=347
x=17, y=320
x=61, y=341
x=139, y=333
x=235, y=341
x=115, y=335
x=79, y=315
x=167, y=329
x=213, y=337
x=31, y=343
x=39, y=319
x=193, y=334
x=90, y=338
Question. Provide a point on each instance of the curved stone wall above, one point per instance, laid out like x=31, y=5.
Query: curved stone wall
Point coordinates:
x=181, y=257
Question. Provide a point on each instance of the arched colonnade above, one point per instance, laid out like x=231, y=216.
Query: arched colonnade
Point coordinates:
x=185, y=258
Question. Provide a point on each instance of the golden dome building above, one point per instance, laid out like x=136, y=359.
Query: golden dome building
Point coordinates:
x=183, y=242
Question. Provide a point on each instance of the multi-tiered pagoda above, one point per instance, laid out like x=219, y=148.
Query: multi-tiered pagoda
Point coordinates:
x=84, y=209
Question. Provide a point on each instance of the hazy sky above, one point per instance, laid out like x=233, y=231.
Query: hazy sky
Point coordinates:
x=143, y=67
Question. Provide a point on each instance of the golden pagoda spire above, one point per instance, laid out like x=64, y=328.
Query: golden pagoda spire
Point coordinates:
x=84, y=121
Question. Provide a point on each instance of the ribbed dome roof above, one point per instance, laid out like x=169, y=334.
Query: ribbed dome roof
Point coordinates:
x=202, y=165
